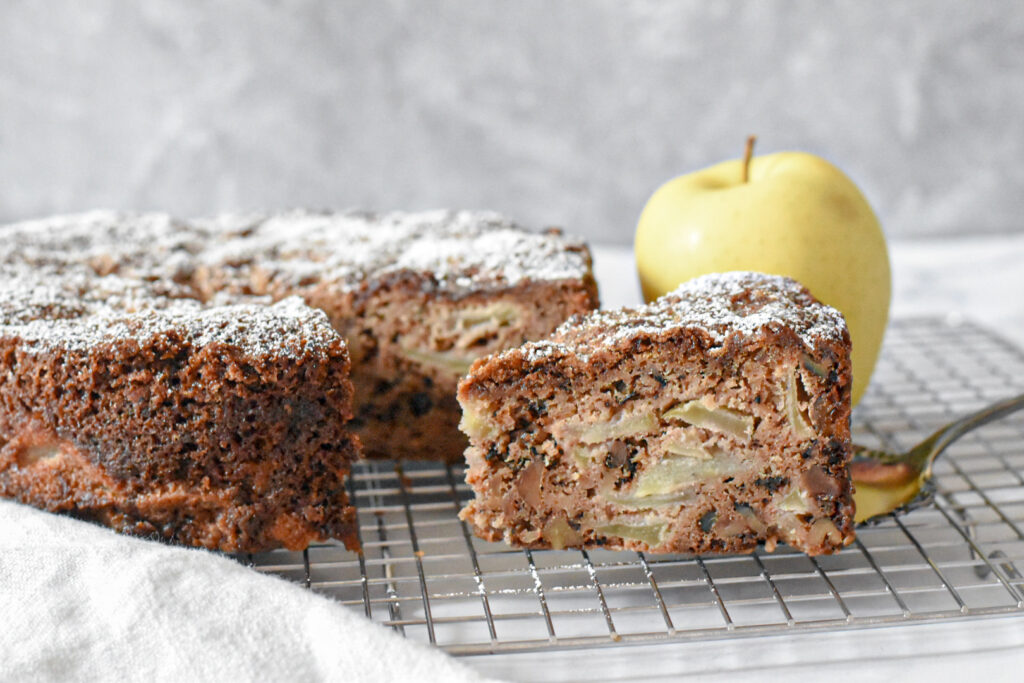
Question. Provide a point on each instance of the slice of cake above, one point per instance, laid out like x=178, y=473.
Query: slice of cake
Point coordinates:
x=711, y=420
x=214, y=426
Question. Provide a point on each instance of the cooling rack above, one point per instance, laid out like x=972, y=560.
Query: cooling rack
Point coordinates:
x=423, y=574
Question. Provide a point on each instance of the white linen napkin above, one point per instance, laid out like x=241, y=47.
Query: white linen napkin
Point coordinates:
x=79, y=602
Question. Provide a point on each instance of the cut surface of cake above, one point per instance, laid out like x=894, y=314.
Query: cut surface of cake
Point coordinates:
x=711, y=420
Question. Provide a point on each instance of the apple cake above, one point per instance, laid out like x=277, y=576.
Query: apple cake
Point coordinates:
x=712, y=420
x=148, y=379
x=221, y=427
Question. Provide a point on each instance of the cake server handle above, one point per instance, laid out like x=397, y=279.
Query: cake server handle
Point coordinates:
x=886, y=482
x=924, y=454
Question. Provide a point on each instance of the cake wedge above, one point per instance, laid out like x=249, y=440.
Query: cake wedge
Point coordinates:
x=712, y=420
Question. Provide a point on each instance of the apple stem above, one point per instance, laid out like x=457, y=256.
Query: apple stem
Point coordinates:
x=747, y=156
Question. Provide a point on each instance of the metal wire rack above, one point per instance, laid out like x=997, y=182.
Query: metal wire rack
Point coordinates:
x=425, y=575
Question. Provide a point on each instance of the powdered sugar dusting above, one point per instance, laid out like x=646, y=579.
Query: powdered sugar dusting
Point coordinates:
x=721, y=305
x=457, y=251
x=77, y=281
x=103, y=240
x=79, y=312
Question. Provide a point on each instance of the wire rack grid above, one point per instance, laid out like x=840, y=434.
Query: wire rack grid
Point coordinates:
x=425, y=575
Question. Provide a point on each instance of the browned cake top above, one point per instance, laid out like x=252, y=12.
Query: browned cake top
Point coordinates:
x=79, y=279
x=78, y=312
x=734, y=305
x=153, y=245
x=453, y=251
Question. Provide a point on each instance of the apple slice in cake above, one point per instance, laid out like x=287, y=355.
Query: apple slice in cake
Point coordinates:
x=711, y=420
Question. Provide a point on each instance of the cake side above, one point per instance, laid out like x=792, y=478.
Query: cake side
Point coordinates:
x=219, y=427
x=710, y=421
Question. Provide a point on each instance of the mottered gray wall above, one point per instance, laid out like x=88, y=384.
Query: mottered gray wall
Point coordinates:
x=555, y=113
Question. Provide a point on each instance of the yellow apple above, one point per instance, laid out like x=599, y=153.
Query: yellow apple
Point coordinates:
x=788, y=213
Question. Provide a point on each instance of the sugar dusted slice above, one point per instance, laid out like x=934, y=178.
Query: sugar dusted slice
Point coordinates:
x=711, y=420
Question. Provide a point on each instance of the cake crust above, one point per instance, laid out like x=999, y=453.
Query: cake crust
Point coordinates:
x=161, y=417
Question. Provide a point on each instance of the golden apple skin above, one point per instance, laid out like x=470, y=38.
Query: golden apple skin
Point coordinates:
x=797, y=215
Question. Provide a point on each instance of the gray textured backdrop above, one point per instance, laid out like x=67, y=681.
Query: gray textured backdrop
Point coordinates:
x=555, y=113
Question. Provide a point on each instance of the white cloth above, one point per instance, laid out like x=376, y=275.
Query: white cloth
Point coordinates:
x=79, y=602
